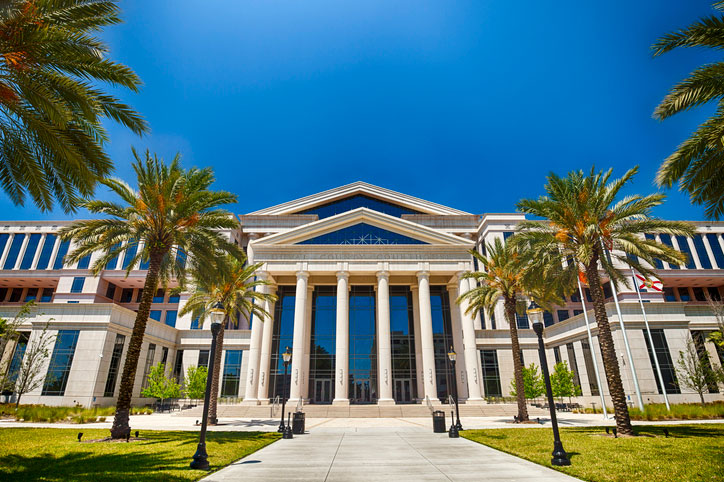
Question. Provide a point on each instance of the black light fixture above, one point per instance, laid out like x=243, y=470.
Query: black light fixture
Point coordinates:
x=453, y=432
x=287, y=357
x=452, y=356
x=80, y=436
x=535, y=315
x=200, y=460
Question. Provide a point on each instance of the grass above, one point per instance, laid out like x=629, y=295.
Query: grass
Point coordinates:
x=43, y=413
x=679, y=411
x=691, y=453
x=52, y=454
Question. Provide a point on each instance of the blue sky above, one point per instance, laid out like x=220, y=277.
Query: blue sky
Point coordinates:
x=465, y=103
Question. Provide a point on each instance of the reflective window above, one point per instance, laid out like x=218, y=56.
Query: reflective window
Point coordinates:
x=46, y=251
x=548, y=318
x=178, y=366
x=522, y=321
x=60, y=362
x=402, y=338
x=323, y=341
x=668, y=371
x=84, y=262
x=699, y=338
x=113, y=262
x=358, y=201
x=111, y=291
x=232, y=374
x=47, y=295
x=716, y=249
x=114, y=365
x=669, y=294
x=714, y=293
x=15, y=295
x=155, y=315
x=171, y=317
x=14, y=251
x=363, y=234
x=699, y=293
x=573, y=365
x=144, y=264
x=150, y=354
x=126, y=295
x=684, y=248
x=17, y=359
x=441, y=339
x=281, y=338
x=129, y=253
x=31, y=294
x=507, y=234
x=30, y=251
x=684, y=294
x=701, y=251
x=563, y=315
x=491, y=373
x=181, y=257
x=362, y=345
x=666, y=239
x=658, y=264
x=557, y=354
x=203, y=358
x=3, y=241
x=159, y=296
x=77, y=286
x=590, y=369
x=577, y=312
x=60, y=256
x=195, y=324
x=174, y=298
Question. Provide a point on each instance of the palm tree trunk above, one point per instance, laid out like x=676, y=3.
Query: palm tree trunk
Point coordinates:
x=120, y=426
x=214, y=398
x=608, y=350
x=517, y=362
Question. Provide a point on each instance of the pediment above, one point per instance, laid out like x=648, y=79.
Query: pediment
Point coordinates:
x=381, y=199
x=363, y=226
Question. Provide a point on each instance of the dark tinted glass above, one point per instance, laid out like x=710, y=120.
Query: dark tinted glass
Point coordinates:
x=701, y=251
x=30, y=251
x=657, y=262
x=668, y=371
x=60, y=256
x=716, y=249
x=14, y=251
x=358, y=201
x=362, y=234
x=46, y=251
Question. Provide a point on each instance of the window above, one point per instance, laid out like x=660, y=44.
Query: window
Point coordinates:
x=590, y=369
x=203, y=358
x=668, y=371
x=3, y=241
x=31, y=294
x=30, y=251
x=171, y=317
x=716, y=249
x=507, y=234
x=46, y=251
x=589, y=298
x=47, y=295
x=402, y=337
x=139, y=295
x=548, y=318
x=113, y=262
x=701, y=251
x=557, y=354
x=84, y=262
x=492, y=320
x=60, y=256
x=684, y=248
x=669, y=294
x=657, y=262
x=575, y=297
x=699, y=293
x=3, y=294
x=323, y=341
x=491, y=373
x=17, y=359
x=522, y=321
x=14, y=251
x=699, y=338
x=164, y=356
x=714, y=293
x=178, y=366
x=114, y=365
x=357, y=201
x=126, y=295
x=174, y=298
x=150, y=354
x=363, y=344
x=563, y=315
x=15, y=295
x=232, y=374
x=363, y=234
x=111, y=291
x=195, y=324
x=159, y=296
x=181, y=257
x=60, y=362
x=77, y=286
x=666, y=239
x=144, y=264
x=283, y=328
x=131, y=250
x=441, y=338
x=573, y=366
x=155, y=315
x=684, y=294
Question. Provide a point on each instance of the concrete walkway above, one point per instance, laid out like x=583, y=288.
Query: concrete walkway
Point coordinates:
x=382, y=454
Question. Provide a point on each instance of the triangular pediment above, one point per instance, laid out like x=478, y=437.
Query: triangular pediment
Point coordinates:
x=363, y=226
x=359, y=194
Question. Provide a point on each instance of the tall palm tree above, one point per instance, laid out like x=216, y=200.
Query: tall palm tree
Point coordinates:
x=51, y=106
x=504, y=276
x=171, y=214
x=698, y=163
x=235, y=285
x=586, y=230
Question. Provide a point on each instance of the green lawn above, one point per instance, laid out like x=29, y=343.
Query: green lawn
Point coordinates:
x=692, y=452
x=55, y=454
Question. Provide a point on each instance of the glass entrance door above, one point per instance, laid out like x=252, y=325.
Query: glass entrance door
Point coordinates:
x=403, y=390
x=362, y=391
x=322, y=391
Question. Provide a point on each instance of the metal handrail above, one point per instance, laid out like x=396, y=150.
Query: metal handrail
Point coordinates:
x=300, y=405
x=275, y=406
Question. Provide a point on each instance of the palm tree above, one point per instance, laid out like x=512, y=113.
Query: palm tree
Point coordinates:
x=172, y=214
x=235, y=285
x=51, y=106
x=504, y=276
x=584, y=230
x=698, y=163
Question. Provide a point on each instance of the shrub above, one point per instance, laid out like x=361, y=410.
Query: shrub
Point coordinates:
x=43, y=413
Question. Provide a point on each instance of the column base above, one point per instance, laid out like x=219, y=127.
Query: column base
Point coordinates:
x=385, y=401
x=249, y=402
x=474, y=401
x=341, y=402
x=264, y=401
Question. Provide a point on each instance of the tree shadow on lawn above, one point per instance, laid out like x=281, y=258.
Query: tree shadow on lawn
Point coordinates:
x=675, y=431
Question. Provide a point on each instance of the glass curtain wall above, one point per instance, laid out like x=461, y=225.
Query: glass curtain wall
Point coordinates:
x=668, y=370
x=402, y=334
x=362, y=345
x=232, y=374
x=281, y=338
x=441, y=339
x=323, y=344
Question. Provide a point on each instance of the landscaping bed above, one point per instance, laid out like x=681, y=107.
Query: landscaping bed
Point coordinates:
x=56, y=455
x=679, y=411
x=43, y=413
x=691, y=452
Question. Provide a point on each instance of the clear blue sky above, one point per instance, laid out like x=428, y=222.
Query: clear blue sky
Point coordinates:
x=465, y=103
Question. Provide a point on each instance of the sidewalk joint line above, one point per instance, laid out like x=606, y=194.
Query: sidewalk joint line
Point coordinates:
x=333, y=458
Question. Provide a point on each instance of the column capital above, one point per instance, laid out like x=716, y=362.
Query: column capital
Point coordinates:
x=264, y=275
x=423, y=275
x=342, y=275
x=383, y=274
x=302, y=275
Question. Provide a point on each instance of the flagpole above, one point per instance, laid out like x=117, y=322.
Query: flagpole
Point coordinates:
x=625, y=338
x=651, y=341
x=593, y=353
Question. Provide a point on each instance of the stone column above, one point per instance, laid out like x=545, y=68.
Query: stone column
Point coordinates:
x=472, y=359
x=300, y=311
x=384, y=344
x=341, y=360
x=457, y=334
x=428, y=350
x=252, y=374
x=265, y=354
x=419, y=373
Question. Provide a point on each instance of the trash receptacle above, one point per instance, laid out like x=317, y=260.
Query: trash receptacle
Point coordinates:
x=438, y=421
x=298, y=423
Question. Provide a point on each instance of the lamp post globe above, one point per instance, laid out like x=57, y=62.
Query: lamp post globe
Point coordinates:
x=287, y=357
x=452, y=356
x=535, y=315
x=200, y=460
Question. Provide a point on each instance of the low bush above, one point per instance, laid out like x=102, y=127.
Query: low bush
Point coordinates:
x=77, y=414
x=679, y=411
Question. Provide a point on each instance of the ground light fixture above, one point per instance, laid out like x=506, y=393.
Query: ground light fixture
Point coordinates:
x=287, y=357
x=535, y=315
x=452, y=356
x=200, y=460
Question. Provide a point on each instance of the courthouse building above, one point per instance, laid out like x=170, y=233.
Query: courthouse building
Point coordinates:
x=366, y=280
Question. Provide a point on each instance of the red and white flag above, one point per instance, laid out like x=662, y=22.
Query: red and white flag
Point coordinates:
x=650, y=284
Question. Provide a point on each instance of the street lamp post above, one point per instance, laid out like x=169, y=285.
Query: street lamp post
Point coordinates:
x=535, y=314
x=452, y=356
x=287, y=357
x=200, y=460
